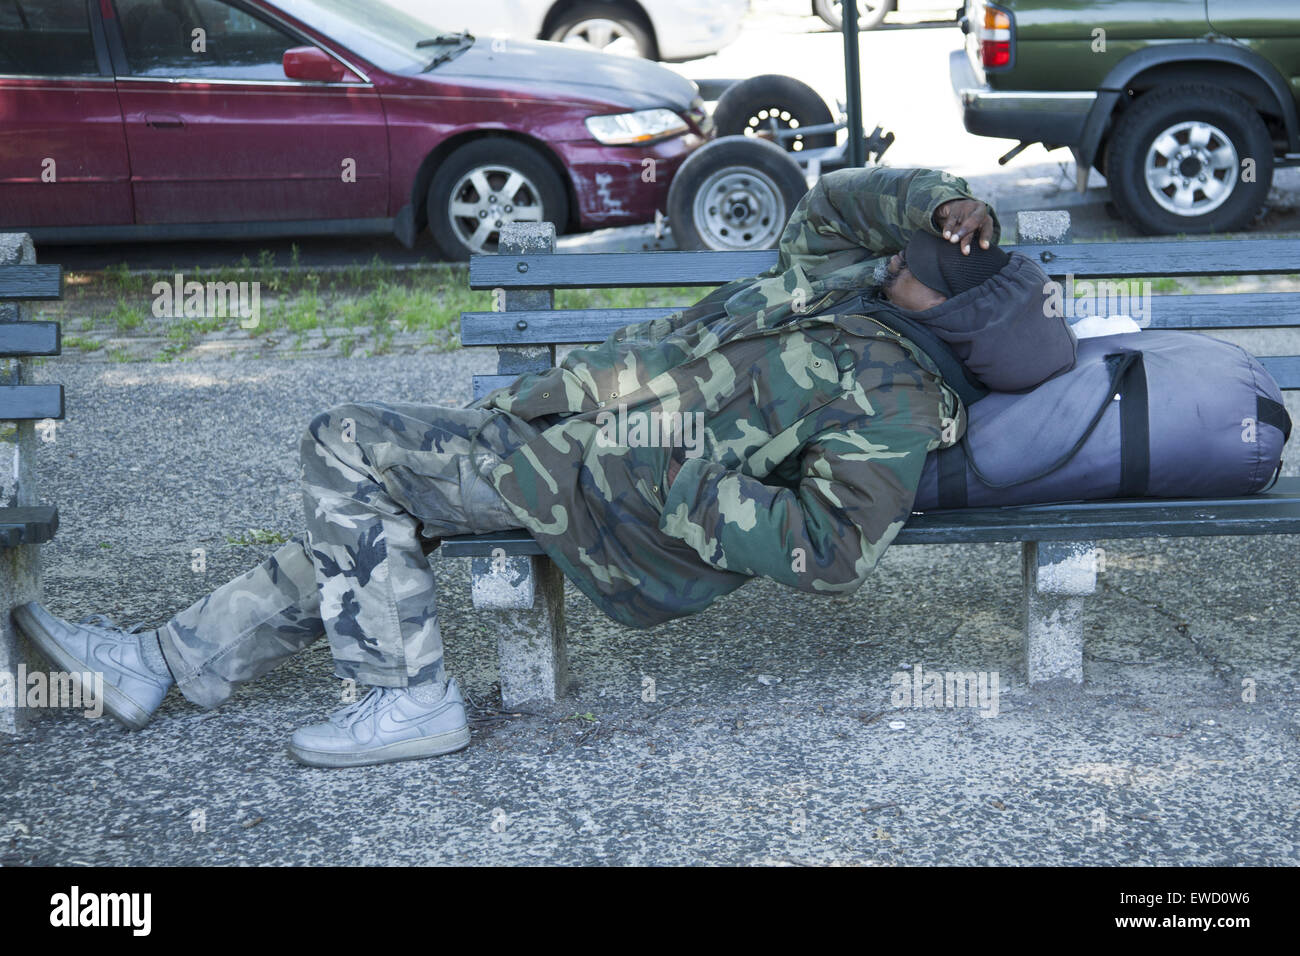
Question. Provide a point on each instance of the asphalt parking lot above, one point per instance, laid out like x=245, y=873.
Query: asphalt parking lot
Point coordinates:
x=772, y=735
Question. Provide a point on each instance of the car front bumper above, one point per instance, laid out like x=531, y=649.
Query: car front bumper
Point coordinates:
x=623, y=185
x=1054, y=118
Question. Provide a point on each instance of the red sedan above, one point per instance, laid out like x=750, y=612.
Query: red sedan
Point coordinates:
x=185, y=119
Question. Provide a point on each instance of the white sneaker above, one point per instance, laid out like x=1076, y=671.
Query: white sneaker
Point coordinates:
x=387, y=724
x=132, y=692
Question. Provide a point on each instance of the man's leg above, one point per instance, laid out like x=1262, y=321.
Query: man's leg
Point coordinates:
x=259, y=619
x=375, y=476
x=366, y=557
x=245, y=627
x=238, y=632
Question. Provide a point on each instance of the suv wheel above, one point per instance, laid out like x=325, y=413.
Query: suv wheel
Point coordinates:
x=1177, y=158
x=485, y=184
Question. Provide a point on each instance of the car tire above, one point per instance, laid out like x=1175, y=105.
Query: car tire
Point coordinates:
x=1206, y=133
x=751, y=105
x=537, y=195
x=734, y=194
x=593, y=22
x=868, y=19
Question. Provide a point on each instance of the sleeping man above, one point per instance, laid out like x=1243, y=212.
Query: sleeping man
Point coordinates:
x=777, y=428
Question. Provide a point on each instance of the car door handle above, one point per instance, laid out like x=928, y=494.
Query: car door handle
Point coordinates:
x=163, y=121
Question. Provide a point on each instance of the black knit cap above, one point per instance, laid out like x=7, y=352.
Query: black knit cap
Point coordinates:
x=939, y=264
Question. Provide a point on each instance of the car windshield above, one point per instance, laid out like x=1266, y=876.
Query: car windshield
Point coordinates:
x=375, y=30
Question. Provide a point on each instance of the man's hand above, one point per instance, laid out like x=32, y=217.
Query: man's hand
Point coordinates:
x=961, y=220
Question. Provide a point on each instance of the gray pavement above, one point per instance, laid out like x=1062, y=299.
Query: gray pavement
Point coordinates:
x=771, y=738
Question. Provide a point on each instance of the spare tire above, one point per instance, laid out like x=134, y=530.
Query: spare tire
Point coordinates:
x=734, y=194
x=756, y=104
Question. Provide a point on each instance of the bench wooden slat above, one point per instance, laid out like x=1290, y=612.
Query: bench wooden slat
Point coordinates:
x=1284, y=368
x=30, y=402
x=30, y=338
x=1191, y=257
x=1081, y=259
x=1225, y=310
x=484, y=545
x=31, y=283
x=1276, y=512
x=594, y=270
x=34, y=524
x=568, y=326
x=1261, y=310
x=490, y=383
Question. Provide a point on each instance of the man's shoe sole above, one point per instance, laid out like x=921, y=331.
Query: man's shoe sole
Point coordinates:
x=434, y=746
x=116, y=703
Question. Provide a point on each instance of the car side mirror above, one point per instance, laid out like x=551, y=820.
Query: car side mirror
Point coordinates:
x=314, y=65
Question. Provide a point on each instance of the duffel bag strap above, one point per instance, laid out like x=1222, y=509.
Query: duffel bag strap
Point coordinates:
x=1134, y=432
x=1269, y=412
x=952, y=477
x=1121, y=362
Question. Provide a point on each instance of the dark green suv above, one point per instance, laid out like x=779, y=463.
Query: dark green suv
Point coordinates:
x=1185, y=106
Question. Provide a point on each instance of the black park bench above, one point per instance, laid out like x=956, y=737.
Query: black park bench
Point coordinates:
x=524, y=590
x=24, y=522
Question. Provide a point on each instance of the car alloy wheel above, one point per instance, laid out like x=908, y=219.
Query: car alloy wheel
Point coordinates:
x=1167, y=139
x=739, y=208
x=486, y=198
x=1191, y=168
x=603, y=34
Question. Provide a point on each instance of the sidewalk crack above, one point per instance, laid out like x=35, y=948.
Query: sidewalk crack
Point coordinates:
x=1222, y=669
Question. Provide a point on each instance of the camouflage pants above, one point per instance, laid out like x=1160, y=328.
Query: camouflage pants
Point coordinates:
x=379, y=481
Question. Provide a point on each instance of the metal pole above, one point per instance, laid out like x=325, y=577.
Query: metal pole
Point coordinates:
x=853, y=83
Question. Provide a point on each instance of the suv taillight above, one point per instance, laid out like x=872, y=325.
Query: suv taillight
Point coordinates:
x=994, y=25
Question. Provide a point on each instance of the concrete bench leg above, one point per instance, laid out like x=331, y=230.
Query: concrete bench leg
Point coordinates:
x=20, y=567
x=1058, y=576
x=20, y=582
x=525, y=598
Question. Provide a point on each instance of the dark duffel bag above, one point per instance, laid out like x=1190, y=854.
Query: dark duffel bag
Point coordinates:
x=1155, y=413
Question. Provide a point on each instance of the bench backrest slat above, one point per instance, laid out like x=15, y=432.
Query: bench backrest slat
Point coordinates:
x=529, y=271
x=1082, y=259
x=598, y=270
x=30, y=283
x=1197, y=257
x=20, y=403
x=29, y=338
x=567, y=326
x=1204, y=311
x=1284, y=368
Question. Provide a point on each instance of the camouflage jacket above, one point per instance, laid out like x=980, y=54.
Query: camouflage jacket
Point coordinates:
x=813, y=426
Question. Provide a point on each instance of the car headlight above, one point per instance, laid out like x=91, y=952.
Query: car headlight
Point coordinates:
x=624, y=129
